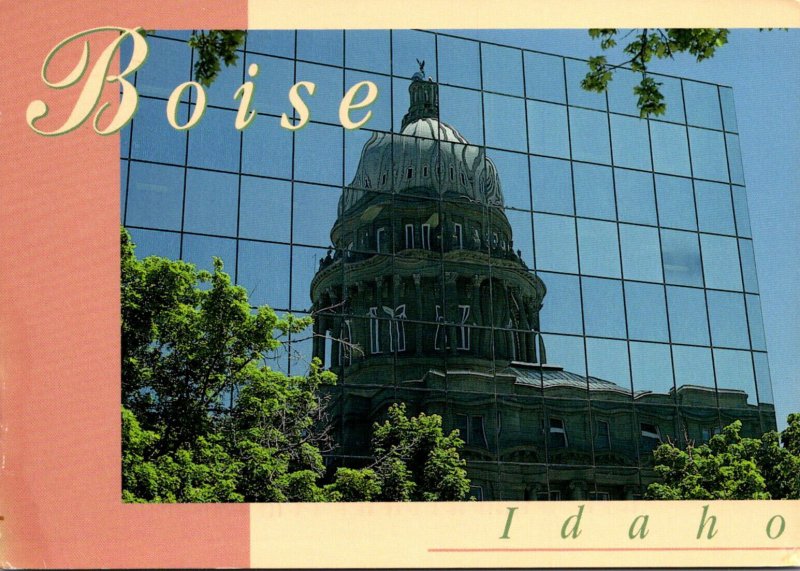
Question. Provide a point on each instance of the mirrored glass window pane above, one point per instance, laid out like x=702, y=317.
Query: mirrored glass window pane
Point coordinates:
x=748, y=266
x=735, y=373
x=460, y=61
x=211, y=202
x=708, y=154
x=315, y=210
x=380, y=109
x=594, y=191
x=229, y=79
x=681, y=256
x=521, y=231
x=513, y=171
x=400, y=101
x=324, y=46
x=734, y=158
x=123, y=189
x=273, y=82
x=673, y=98
x=264, y=273
x=168, y=65
x=201, y=251
x=462, y=108
x=505, y=122
x=721, y=262
x=687, y=315
x=547, y=129
x=589, y=136
x=556, y=248
x=214, y=142
x=324, y=104
x=763, y=378
x=265, y=209
x=125, y=139
x=692, y=366
x=567, y=352
x=714, y=208
x=367, y=49
x=641, y=253
x=756, y=322
x=652, y=367
x=621, y=98
x=631, y=142
x=670, y=148
x=156, y=243
x=604, y=310
x=608, y=360
x=576, y=71
x=552, y=185
x=155, y=196
x=410, y=45
x=741, y=211
x=267, y=148
x=305, y=263
x=599, y=248
x=702, y=104
x=728, y=323
x=728, y=109
x=544, y=77
x=313, y=159
x=276, y=42
x=502, y=69
x=561, y=311
x=154, y=139
x=675, y=202
x=635, y=198
x=647, y=314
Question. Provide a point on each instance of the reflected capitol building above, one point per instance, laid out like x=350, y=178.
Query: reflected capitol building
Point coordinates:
x=450, y=325
x=564, y=282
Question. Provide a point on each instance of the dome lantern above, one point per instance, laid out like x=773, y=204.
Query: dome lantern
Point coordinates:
x=423, y=98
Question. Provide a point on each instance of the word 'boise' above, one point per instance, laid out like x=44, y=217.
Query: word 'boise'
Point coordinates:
x=100, y=74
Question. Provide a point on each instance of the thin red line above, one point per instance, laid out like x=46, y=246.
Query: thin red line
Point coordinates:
x=519, y=549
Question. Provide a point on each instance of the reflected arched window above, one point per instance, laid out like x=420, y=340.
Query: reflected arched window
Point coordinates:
x=380, y=240
x=440, y=337
x=346, y=343
x=397, y=328
x=463, y=330
x=426, y=236
x=374, y=331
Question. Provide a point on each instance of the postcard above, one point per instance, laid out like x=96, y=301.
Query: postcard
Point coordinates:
x=362, y=285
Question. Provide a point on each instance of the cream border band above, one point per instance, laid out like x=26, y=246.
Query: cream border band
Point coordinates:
x=511, y=14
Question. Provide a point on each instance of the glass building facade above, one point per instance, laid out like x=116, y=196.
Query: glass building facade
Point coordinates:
x=564, y=282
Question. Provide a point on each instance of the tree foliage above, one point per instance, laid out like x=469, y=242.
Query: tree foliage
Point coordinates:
x=649, y=43
x=414, y=461
x=730, y=467
x=213, y=48
x=204, y=420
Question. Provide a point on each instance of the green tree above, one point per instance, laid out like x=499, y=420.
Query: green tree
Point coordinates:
x=414, y=461
x=213, y=48
x=646, y=44
x=204, y=420
x=730, y=467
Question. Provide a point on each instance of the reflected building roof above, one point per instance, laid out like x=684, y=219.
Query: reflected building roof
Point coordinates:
x=428, y=158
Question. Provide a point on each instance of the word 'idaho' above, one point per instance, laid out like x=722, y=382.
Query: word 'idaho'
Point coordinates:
x=100, y=75
x=571, y=527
